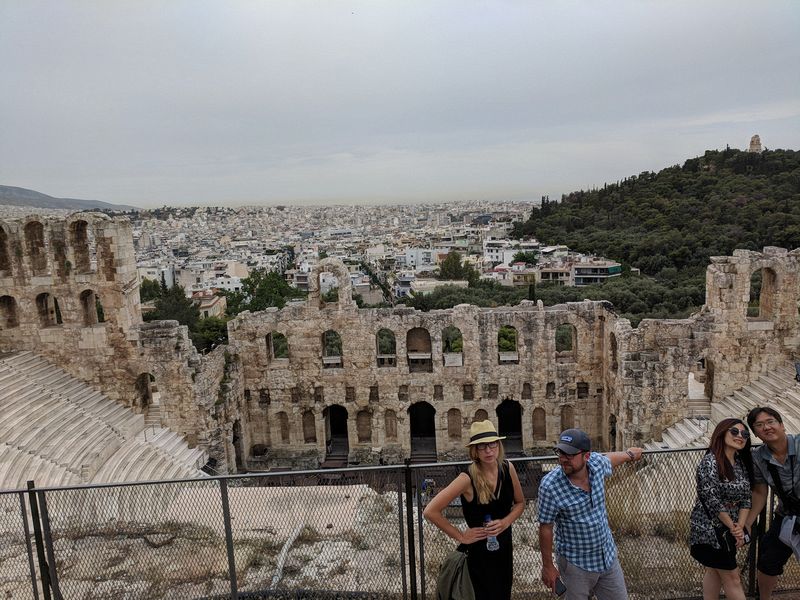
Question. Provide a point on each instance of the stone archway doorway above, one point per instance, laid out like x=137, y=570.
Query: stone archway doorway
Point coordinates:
x=422, y=419
x=337, y=446
x=509, y=424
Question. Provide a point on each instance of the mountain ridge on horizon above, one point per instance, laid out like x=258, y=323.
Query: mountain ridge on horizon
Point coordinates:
x=19, y=196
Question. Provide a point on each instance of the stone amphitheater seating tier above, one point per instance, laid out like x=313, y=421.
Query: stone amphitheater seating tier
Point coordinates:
x=57, y=430
x=776, y=388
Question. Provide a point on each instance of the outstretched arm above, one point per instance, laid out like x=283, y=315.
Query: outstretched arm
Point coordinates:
x=629, y=455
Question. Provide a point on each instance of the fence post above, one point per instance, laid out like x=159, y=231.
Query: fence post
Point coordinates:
x=226, y=517
x=412, y=553
x=48, y=545
x=44, y=571
x=399, y=482
x=27, y=531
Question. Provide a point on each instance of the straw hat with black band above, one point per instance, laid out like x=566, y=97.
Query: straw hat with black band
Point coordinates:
x=481, y=432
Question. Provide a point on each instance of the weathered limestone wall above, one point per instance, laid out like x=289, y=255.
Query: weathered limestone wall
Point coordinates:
x=624, y=385
x=50, y=270
x=300, y=384
x=200, y=396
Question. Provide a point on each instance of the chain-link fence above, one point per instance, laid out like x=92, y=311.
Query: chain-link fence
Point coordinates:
x=349, y=533
x=18, y=577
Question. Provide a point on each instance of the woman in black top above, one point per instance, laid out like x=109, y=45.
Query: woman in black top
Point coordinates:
x=491, y=500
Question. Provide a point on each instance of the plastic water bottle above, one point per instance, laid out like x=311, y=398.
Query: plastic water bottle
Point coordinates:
x=491, y=542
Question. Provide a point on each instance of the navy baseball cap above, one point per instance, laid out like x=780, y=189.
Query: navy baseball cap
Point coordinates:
x=573, y=441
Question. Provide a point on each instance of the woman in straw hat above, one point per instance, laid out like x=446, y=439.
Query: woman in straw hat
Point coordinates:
x=491, y=500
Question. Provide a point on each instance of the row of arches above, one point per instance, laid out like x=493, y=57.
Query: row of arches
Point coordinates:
x=48, y=310
x=81, y=242
x=419, y=347
x=422, y=427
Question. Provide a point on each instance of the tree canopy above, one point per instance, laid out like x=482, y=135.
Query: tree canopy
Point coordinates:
x=453, y=269
x=669, y=223
x=260, y=290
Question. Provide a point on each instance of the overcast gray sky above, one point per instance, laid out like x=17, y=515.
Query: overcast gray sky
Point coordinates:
x=247, y=102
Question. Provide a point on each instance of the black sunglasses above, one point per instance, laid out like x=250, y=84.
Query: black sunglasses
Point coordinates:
x=742, y=433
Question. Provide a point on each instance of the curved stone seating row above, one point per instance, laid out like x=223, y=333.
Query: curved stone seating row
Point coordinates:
x=18, y=467
x=58, y=430
x=39, y=371
x=174, y=446
x=776, y=388
x=140, y=461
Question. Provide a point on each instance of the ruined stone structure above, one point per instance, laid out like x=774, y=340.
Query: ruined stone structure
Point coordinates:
x=69, y=291
x=328, y=383
x=755, y=144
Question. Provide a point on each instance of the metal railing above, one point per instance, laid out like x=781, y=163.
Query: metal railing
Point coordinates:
x=344, y=533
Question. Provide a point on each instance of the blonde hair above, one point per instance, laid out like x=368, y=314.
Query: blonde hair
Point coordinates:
x=482, y=485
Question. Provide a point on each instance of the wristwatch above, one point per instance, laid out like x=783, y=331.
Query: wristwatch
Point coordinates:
x=629, y=453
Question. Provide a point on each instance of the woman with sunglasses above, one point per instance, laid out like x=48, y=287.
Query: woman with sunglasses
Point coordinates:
x=724, y=479
x=491, y=500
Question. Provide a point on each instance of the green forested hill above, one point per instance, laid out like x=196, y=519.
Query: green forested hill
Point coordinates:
x=669, y=223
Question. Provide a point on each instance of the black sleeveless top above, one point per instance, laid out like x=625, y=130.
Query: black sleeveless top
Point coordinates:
x=491, y=572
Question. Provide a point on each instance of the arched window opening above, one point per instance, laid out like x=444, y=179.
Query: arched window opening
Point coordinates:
x=81, y=239
x=5, y=258
x=612, y=433
x=567, y=417
x=698, y=403
x=566, y=343
x=509, y=424
x=364, y=426
x=763, y=290
x=277, y=346
x=550, y=390
x=283, y=425
x=527, y=393
x=390, y=424
x=48, y=310
x=91, y=308
x=418, y=344
x=612, y=339
x=452, y=347
x=454, y=426
x=147, y=394
x=331, y=350
x=8, y=313
x=539, y=424
x=34, y=243
x=583, y=390
x=387, y=348
x=507, y=345
x=480, y=415
x=337, y=444
x=422, y=419
x=309, y=427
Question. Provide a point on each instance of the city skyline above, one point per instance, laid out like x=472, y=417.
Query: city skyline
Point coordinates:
x=361, y=103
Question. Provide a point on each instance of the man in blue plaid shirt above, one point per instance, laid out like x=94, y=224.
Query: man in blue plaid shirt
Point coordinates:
x=573, y=498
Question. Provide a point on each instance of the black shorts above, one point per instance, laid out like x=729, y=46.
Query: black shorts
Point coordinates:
x=772, y=552
x=714, y=558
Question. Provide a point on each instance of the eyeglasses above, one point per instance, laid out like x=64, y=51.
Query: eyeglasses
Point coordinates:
x=560, y=452
x=767, y=423
x=742, y=433
x=486, y=446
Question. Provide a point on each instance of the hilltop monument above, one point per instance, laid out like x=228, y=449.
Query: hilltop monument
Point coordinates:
x=755, y=144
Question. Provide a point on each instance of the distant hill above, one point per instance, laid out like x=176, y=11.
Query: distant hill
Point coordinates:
x=16, y=196
x=669, y=223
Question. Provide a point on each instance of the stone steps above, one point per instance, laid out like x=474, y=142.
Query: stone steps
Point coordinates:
x=58, y=430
